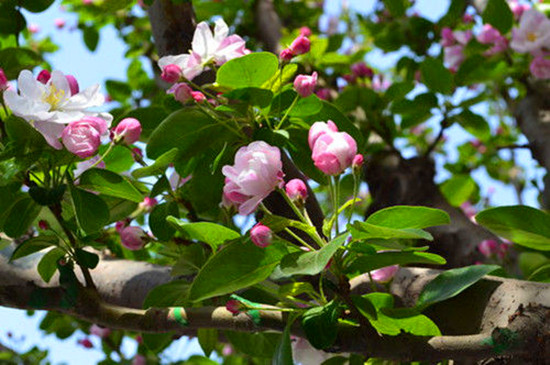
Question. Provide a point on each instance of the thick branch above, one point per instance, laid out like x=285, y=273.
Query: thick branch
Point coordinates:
x=268, y=25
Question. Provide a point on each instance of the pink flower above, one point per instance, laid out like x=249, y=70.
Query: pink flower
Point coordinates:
x=324, y=93
x=86, y=343
x=305, y=84
x=87, y=2
x=3, y=80
x=227, y=350
x=488, y=247
x=540, y=68
x=296, y=190
x=379, y=83
x=305, y=31
x=131, y=237
x=286, y=54
x=233, y=306
x=319, y=128
x=171, y=73
x=73, y=84
x=33, y=28
x=332, y=153
x=256, y=173
x=44, y=76
x=360, y=69
x=384, y=274
x=488, y=35
x=300, y=45
x=447, y=37
x=139, y=360
x=261, y=235
x=59, y=23
x=517, y=8
x=453, y=56
x=148, y=204
x=83, y=137
x=463, y=36
x=101, y=332
x=467, y=18
x=182, y=92
x=533, y=33
x=198, y=96
x=127, y=131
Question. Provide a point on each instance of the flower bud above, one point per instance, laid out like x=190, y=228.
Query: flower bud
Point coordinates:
x=384, y=274
x=296, y=190
x=127, y=131
x=488, y=247
x=3, y=80
x=360, y=69
x=305, y=31
x=33, y=28
x=300, y=45
x=73, y=84
x=286, y=54
x=147, y=204
x=119, y=226
x=447, y=37
x=198, y=96
x=319, y=128
x=182, y=92
x=101, y=332
x=357, y=163
x=305, y=84
x=59, y=23
x=171, y=73
x=43, y=225
x=86, y=343
x=261, y=235
x=83, y=137
x=233, y=306
x=44, y=76
x=131, y=237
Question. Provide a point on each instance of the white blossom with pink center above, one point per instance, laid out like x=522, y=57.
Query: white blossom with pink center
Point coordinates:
x=533, y=33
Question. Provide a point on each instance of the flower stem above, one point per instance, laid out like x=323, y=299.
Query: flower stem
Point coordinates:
x=109, y=149
x=287, y=112
x=355, y=193
x=335, y=202
x=297, y=238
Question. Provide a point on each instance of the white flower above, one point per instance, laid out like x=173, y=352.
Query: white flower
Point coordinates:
x=533, y=33
x=207, y=48
x=49, y=107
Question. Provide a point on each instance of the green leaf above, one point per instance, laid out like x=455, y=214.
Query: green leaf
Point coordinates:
x=186, y=129
x=20, y=217
x=11, y=19
x=14, y=60
x=365, y=230
x=87, y=259
x=237, y=266
x=251, y=70
x=158, y=223
x=320, y=325
x=252, y=96
x=283, y=351
x=91, y=212
x=210, y=233
x=310, y=263
x=474, y=124
x=118, y=90
x=498, y=14
x=520, y=224
x=261, y=344
x=366, y=263
x=91, y=38
x=191, y=258
x=311, y=105
x=109, y=183
x=451, y=283
x=48, y=263
x=149, y=117
x=36, y=6
x=436, y=76
x=396, y=7
x=170, y=294
x=458, y=189
x=208, y=339
x=33, y=245
x=156, y=342
x=158, y=167
x=404, y=216
x=542, y=274
x=294, y=289
x=277, y=81
x=47, y=197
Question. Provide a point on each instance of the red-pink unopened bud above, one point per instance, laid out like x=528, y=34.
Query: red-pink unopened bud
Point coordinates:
x=305, y=31
x=182, y=92
x=171, y=73
x=127, y=131
x=300, y=45
x=120, y=225
x=384, y=274
x=83, y=137
x=360, y=69
x=233, y=306
x=357, y=162
x=131, y=237
x=296, y=190
x=488, y=247
x=3, y=80
x=148, y=203
x=73, y=84
x=286, y=54
x=137, y=153
x=101, y=332
x=86, y=343
x=43, y=225
x=44, y=76
x=198, y=96
x=261, y=235
x=305, y=84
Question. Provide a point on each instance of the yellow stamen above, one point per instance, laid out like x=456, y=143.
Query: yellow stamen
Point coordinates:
x=54, y=97
x=531, y=37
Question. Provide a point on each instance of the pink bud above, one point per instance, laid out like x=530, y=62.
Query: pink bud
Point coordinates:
x=261, y=235
x=286, y=54
x=319, y=128
x=44, y=76
x=300, y=45
x=447, y=37
x=296, y=189
x=227, y=350
x=198, y=96
x=3, y=80
x=467, y=18
x=384, y=274
x=182, y=92
x=305, y=84
x=127, y=131
x=333, y=152
x=33, y=28
x=73, y=84
x=137, y=153
x=86, y=343
x=120, y=225
x=233, y=306
x=171, y=73
x=59, y=23
x=131, y=237
x=488, y=247
x=101, y=332
x=43, y=225
x=360, y=69
x=83, y=137
x=305, y=31
x=324, y=93
x=357, y=162
x=148, y=203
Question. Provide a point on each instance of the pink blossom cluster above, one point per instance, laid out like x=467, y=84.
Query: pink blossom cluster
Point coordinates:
x=491, y=248
x=453, y=43
x=332, y=151
x=299, y=46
